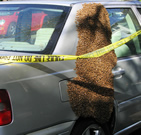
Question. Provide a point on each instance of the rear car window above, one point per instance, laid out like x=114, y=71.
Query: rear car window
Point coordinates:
x=31, y=28
x=139, y=9
x=123, y=24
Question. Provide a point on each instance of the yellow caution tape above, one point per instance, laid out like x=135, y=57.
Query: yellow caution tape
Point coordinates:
x=51, y=58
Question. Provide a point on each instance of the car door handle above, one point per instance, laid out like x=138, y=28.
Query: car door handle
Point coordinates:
x=119, y=71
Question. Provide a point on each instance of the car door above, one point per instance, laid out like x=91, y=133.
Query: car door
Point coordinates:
x=127, y=73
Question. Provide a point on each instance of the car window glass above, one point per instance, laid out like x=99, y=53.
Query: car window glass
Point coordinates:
x=123, y=24
x=30, y=28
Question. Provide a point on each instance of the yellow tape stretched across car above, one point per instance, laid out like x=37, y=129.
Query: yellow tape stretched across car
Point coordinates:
x=51, y=58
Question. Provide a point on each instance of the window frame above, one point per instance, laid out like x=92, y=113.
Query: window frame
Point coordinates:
x=57, y=32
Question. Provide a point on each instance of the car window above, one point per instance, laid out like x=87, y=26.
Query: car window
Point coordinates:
x=31, y=28
x=123, y=24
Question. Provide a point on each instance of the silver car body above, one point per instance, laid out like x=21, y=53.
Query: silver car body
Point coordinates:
x=38, y=91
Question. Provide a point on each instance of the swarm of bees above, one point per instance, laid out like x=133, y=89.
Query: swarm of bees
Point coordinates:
x=91, y=93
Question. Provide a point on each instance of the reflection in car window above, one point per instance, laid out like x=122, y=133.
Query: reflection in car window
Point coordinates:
x=4, y=13
x=123, y=24
x=31, y=27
